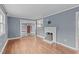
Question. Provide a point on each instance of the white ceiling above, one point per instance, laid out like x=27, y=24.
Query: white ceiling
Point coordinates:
x=36, y=11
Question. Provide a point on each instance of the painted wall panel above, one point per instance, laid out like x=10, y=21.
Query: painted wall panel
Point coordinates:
x=65, y=24
x=3, y=37
x=13, y=27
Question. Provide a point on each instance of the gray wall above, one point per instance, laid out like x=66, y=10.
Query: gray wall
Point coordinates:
x=2, y=41
x=3, y=37
x=13, y=27
x=65, y=24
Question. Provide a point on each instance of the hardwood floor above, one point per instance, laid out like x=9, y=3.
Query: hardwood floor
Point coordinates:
x=32, y=45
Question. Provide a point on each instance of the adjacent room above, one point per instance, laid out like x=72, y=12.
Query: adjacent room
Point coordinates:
x=39, y=28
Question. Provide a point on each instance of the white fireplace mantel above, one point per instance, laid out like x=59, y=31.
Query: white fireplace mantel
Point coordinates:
x=51, y=30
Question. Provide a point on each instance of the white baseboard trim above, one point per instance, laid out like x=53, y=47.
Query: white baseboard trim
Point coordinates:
x=60, y=44
x=67, y=46
x=7, y=42
x=50, y=42
x=43, y=40
x=14, y=38
x=4, y=46
x=41, y=36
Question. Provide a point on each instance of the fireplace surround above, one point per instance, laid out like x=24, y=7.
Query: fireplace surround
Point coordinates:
x=50, y=34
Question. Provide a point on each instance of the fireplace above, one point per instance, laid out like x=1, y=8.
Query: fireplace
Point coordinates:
x=50, y=34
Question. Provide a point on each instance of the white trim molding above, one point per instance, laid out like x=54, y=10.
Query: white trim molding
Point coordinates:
x=43, y=40
x=4, y=46
x=76, y=30
x=41, y=36
x=14, y=38
x=61, y=11
x=67, y=46
x=7, y=42
x=51, y=30
x=73, y=48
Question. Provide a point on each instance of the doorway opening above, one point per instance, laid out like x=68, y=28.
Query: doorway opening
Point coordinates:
x=27, y=28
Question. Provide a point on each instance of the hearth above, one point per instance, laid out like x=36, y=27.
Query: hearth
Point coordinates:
x=49, y=36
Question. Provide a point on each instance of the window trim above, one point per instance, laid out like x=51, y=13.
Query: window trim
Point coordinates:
x=3, y=17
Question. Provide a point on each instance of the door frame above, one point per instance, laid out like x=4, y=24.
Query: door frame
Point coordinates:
x=26, y=21
x=76, y=30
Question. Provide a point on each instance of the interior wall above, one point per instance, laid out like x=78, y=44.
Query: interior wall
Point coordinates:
x=65, y=24
x=3, y=38
x=13, y=27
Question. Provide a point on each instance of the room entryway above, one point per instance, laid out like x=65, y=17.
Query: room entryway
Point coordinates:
x=27, y=28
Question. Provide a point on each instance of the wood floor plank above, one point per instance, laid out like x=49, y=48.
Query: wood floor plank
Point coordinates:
x=35, y=45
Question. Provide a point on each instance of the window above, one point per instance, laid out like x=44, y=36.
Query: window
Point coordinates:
x=2, y=23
